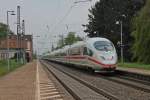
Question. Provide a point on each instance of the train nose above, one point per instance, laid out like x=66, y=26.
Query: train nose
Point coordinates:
x=108, y=58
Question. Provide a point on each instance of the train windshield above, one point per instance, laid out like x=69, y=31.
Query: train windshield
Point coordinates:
x=103, y=46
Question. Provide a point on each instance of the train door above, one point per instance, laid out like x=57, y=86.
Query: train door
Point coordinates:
x=85, y=54
x=88, y=53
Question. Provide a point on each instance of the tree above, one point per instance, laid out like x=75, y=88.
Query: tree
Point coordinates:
x=141, y=34
x=104, y=15
x=60, y=43
x=3, y=30
x=69, y=40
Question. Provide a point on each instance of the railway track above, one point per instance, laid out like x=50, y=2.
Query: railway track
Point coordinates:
x=102, y=94
x=141, y=83
x=130, y=82
x=133, y=79
x=128, y=87
x=133, y=75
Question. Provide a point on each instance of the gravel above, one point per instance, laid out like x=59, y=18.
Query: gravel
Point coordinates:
x=119, y=90
x=76, y=87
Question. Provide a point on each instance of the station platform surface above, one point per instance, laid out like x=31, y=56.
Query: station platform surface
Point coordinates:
x=46, y=87
x=134, y=70
x=31, y=82
x=19, y=84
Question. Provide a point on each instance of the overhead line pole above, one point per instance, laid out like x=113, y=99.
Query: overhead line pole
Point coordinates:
x=18, y=32
x=23, y=47
x=8, y=42
x=8, y=30
x=121, y=43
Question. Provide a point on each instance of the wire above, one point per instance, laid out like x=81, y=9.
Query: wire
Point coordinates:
x=65, y=16
x=68, y=12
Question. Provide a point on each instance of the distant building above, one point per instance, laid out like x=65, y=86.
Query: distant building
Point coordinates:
x=24, y=45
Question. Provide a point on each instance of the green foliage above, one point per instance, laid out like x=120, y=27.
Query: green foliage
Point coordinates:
x=3, y=30
x=60, y=43
x=34, y=56
x=134, y=65
x=13, y=66
x=103, y=17
x=70, y=39
x=141, y=34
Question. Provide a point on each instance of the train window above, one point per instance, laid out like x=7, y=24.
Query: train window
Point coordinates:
x=90, y=52
x=85, y=51
x=63, y=54
x=75, y=51
x=69, y=52
x=103, y=46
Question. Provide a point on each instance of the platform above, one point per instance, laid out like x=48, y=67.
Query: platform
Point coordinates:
x=135, y=70
x=31, y=82
x=19, y=84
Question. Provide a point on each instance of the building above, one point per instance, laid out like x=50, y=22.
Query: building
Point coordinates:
x=21, y=48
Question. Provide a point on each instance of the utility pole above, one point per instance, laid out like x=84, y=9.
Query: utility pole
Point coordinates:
x=8, y=62
x=18, y=33
x=62, y=39
x=23, y=27
x=8, y=31
x=121, y=43
x=52, y=48
x=23, y=40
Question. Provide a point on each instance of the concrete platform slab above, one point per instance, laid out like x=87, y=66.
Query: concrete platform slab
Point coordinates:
x=19, y=84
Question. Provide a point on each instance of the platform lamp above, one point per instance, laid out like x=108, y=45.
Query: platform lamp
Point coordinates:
x=8, y=31
x=121, y=40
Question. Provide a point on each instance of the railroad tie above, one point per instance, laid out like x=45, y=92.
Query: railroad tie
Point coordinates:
x=49, y=91
x=46, y=86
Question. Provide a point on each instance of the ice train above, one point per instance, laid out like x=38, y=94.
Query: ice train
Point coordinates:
x=96, y=54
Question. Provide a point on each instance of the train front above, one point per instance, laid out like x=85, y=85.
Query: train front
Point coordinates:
x=105, y=55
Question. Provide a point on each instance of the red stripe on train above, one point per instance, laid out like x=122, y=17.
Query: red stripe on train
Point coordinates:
x=98, y=62
x=76, y=57
x=91, y=59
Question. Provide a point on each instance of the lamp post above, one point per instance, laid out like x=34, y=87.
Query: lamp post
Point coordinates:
x=8, y=62
x=121, y=40
x=18, y=33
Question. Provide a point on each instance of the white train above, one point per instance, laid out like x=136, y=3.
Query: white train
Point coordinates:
x=96, y=54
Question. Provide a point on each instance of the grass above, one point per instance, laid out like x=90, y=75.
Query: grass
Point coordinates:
x=134, y=65
x=4, y=68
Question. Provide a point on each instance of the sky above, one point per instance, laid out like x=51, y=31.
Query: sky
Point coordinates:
x=47, y=19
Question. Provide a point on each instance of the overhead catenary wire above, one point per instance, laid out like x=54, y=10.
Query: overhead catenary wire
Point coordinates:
x=65, y=16
x=68, y=12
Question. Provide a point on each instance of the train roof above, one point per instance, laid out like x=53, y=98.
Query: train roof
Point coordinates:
x=79, y=44
x=91, y=40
